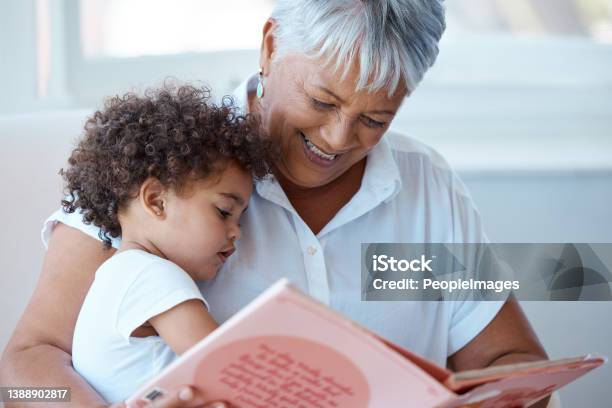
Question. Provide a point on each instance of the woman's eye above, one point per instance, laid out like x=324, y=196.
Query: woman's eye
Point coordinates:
x=317, y=104
x=224, y=214
x=373, y=123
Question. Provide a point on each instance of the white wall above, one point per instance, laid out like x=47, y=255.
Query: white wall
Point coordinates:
x=18, y=67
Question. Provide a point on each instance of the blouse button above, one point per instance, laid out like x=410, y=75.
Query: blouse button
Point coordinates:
x=311, y=250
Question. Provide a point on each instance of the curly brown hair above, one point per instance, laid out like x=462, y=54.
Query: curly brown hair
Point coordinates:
x=174, y=134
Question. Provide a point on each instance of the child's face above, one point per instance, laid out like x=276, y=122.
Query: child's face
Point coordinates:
x=200, y=227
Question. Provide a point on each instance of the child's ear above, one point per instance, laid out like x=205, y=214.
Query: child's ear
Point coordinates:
x=153, y=197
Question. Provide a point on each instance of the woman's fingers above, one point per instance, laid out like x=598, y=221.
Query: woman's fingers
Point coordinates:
x=180, y=399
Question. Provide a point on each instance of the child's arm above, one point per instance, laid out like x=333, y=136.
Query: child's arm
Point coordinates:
x=184, y=325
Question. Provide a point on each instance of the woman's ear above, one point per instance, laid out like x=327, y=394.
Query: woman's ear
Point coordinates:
x=267, y=46
x=153, y=198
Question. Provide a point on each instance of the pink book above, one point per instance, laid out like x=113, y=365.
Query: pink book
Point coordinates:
x=286, y=350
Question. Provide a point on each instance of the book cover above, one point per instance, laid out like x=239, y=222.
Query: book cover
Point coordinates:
x=286, y=350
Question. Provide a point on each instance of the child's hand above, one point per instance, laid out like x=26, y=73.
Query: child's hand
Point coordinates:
x=180, y=399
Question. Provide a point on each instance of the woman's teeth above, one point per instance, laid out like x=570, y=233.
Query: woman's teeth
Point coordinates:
x=318, y=151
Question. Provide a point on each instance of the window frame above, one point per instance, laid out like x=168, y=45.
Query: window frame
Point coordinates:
x=89, y=78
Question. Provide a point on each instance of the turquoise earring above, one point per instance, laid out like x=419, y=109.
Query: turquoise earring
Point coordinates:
x=260, y=88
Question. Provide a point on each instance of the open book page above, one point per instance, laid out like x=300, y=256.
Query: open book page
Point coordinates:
x=287, y=350
x=467, y=379
x=518, y=384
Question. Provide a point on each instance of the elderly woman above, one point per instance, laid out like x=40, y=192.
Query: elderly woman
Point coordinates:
x=332, y=76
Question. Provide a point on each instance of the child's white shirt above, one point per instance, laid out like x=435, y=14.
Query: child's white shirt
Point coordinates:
x=128, y=289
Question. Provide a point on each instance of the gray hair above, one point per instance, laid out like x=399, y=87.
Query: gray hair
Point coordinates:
x=391, y=40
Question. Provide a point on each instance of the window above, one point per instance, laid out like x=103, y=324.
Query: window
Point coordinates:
x=519, y=84
x=582, y=18
x=115, y=44
x=509, y=72
x=135, y=28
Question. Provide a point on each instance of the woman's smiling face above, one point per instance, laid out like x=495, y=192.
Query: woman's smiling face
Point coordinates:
x=322, y=125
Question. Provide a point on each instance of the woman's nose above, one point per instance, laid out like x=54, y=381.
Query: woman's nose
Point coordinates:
x=339, y=135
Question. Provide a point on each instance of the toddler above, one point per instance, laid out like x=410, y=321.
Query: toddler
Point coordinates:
x=171, y=174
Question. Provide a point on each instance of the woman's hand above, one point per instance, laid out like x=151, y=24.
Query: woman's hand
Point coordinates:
x=180, y=399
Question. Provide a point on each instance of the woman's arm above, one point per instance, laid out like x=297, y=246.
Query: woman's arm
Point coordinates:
x=508, y=339
x=39, y=352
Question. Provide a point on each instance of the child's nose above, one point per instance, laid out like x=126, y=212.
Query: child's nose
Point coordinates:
x=235, y=232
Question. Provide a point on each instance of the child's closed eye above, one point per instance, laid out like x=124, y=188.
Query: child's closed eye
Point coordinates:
x=223, y=213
